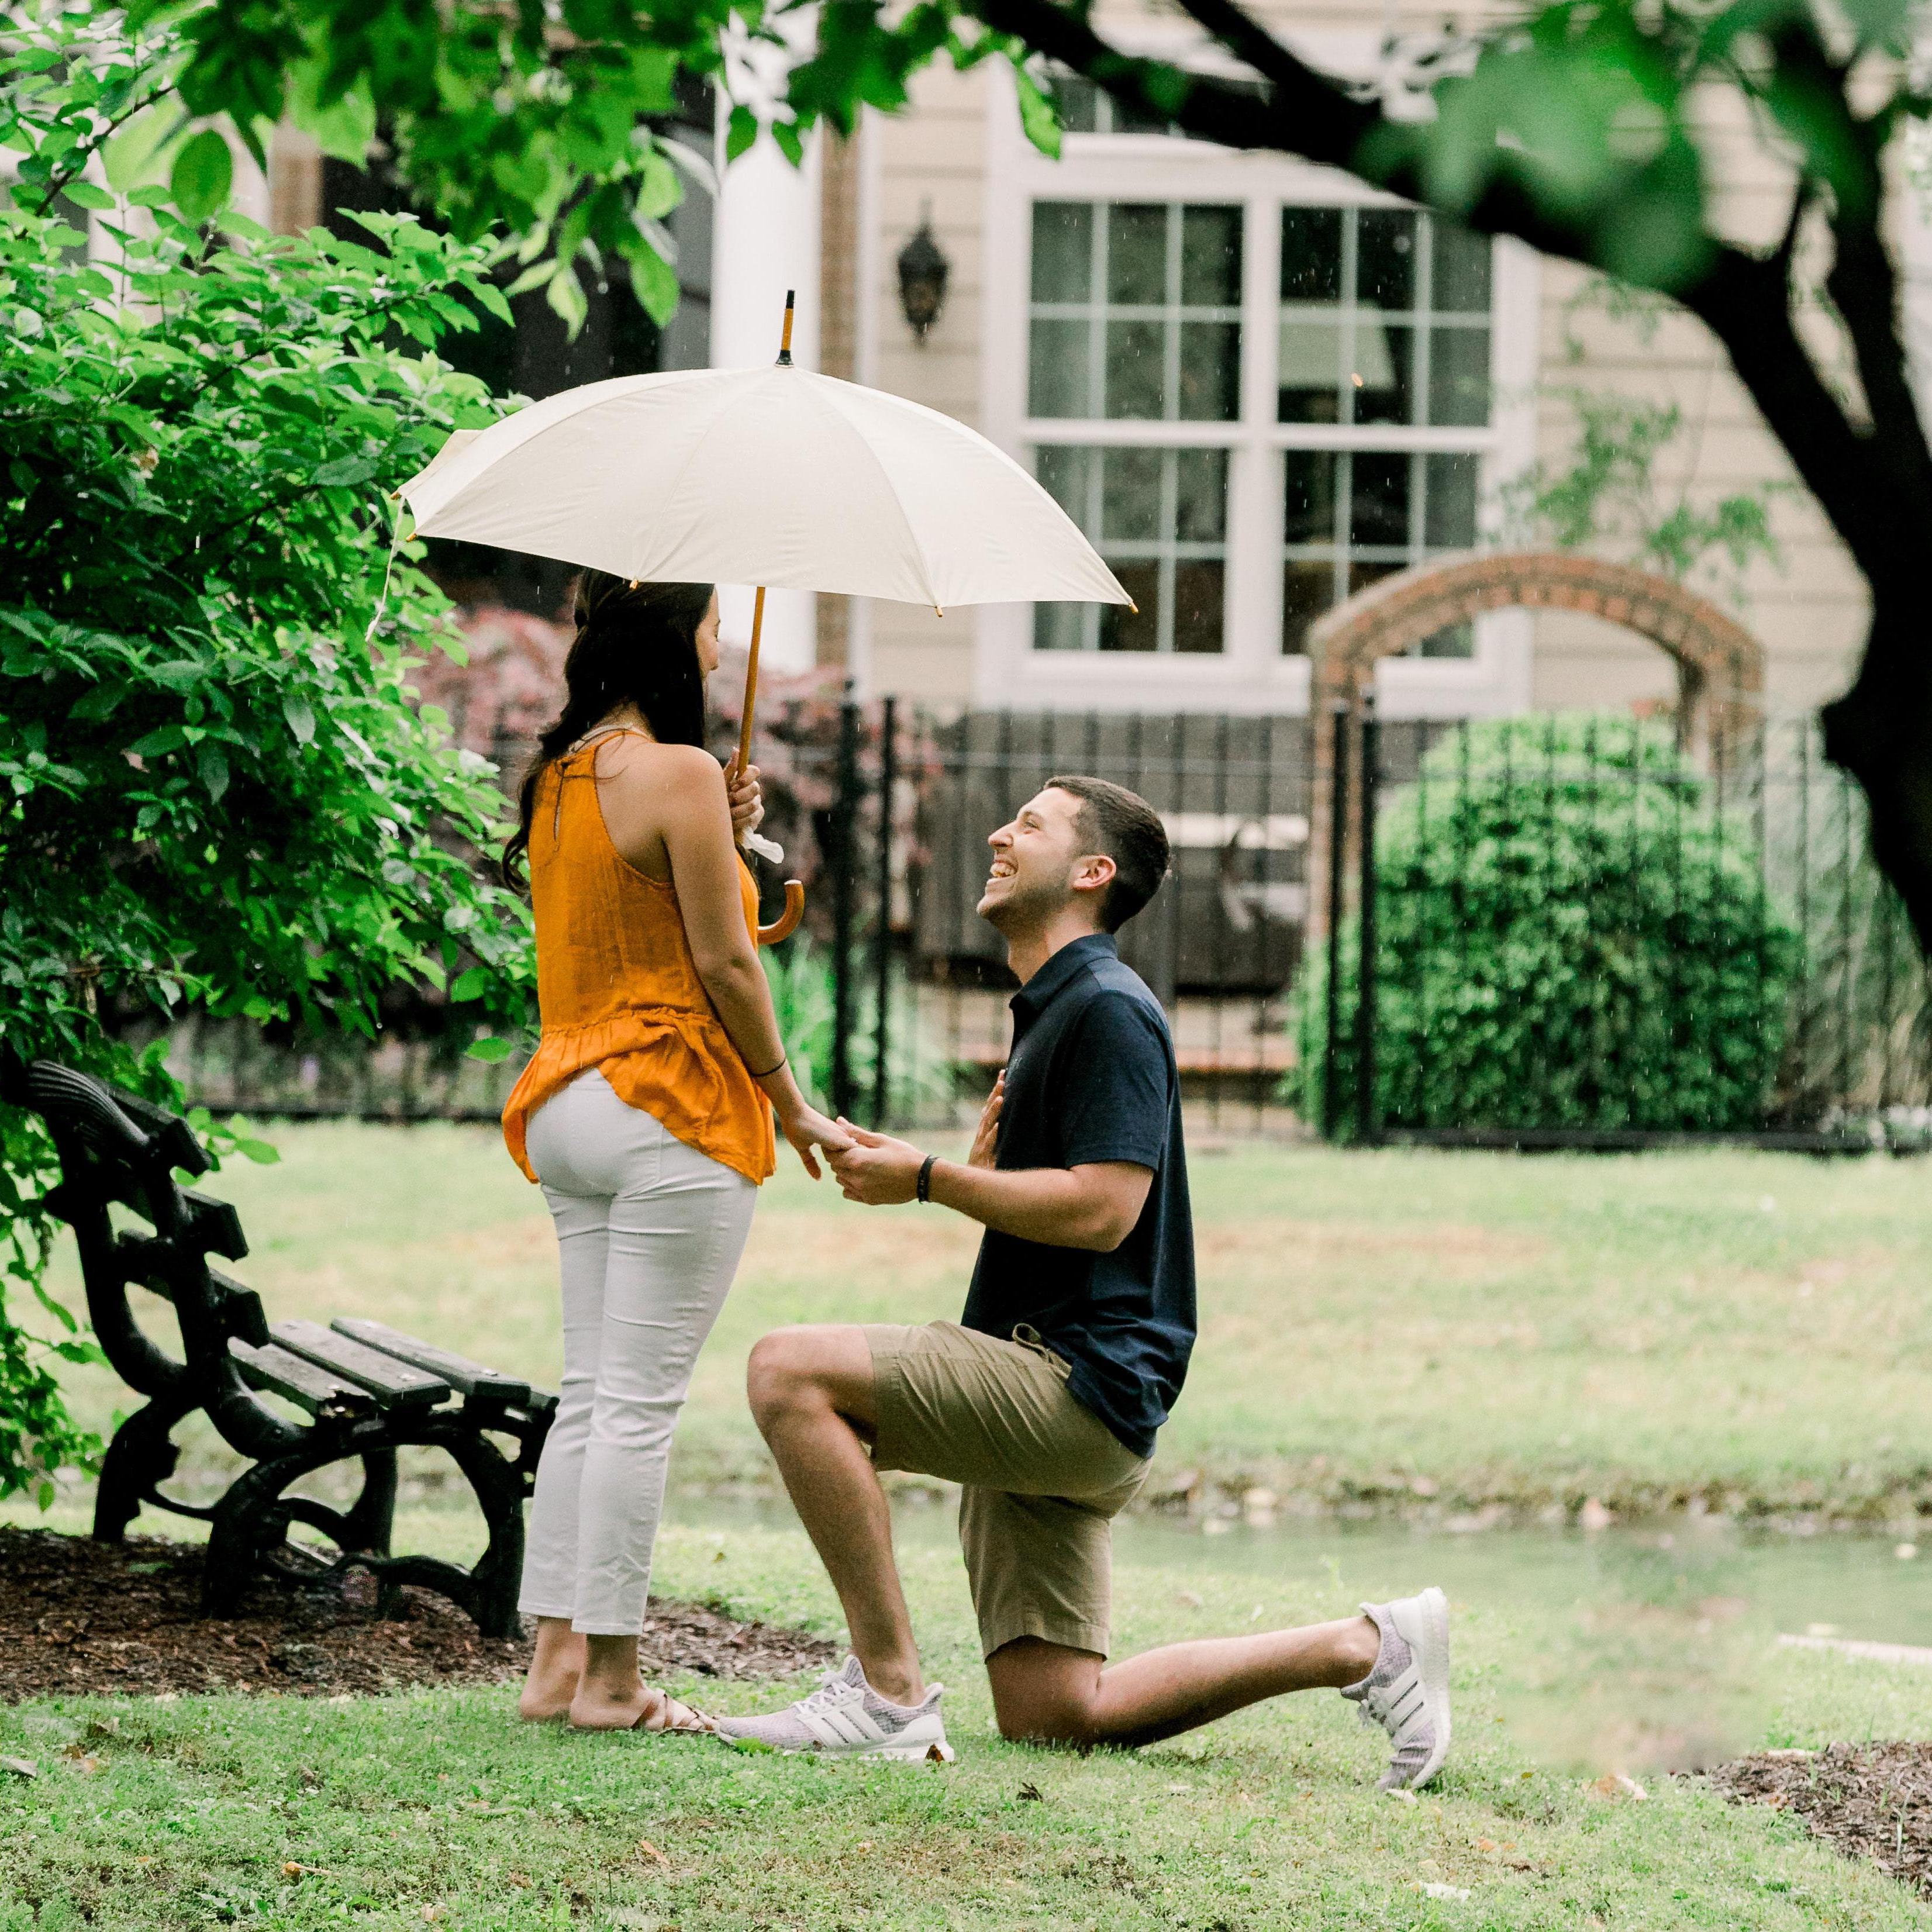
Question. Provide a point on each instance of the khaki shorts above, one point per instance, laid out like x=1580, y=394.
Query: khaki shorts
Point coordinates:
x=1043, y=1477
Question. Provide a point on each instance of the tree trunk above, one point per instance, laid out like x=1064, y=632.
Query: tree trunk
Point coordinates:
x=1880, y=734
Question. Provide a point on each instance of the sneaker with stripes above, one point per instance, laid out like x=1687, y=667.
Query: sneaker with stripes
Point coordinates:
x=1407, y=1693
x=846, y=1717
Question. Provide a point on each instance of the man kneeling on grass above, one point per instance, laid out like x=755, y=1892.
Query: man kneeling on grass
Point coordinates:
x=1043, y=1402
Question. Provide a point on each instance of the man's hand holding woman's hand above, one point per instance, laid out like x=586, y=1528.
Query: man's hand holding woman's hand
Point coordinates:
x=881, y=1172
x=874, y=1168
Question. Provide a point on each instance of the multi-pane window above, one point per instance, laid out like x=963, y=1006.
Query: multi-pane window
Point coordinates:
x=1369, y=408
x=1159, y=517
x=1384, y=319
x=1352, y=517
x=1136, y=311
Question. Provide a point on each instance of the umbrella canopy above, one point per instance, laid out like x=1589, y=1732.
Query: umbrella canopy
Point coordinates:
x=775, y=476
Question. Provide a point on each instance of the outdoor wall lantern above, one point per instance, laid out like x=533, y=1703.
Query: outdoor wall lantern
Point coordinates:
x=923, y=270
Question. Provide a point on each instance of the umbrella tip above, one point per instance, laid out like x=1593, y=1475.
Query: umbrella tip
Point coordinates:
x=785, y=341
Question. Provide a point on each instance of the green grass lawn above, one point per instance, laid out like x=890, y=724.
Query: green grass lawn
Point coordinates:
x=1745, y=1329
x=384, y=1812
x=1751, y=1331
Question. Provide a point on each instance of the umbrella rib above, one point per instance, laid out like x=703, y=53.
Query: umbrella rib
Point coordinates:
x=905, y=522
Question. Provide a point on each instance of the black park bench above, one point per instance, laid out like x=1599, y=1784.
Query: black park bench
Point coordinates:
x=365, y=1390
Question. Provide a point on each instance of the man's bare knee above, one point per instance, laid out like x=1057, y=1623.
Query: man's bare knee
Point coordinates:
x=1044, y=1694
x=776, y=1376
x=807, y=1369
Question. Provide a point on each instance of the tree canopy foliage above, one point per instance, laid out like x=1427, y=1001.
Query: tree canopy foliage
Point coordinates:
x=215, y=791
x=1594, y=130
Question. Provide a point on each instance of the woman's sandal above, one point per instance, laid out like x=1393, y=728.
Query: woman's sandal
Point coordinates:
x=667, y=1717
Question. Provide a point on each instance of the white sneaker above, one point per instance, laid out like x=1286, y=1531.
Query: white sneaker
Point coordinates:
x=846, y=1717
x=1407, y=1693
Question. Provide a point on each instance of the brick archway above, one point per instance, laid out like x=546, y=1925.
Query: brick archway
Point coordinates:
x=1719, y=665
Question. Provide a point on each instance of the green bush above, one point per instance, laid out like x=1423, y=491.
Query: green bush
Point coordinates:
x=1569, y=935
x=218, y=794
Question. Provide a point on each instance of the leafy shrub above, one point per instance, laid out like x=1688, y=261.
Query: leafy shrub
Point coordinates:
x=1569, y=934
x=217, y=793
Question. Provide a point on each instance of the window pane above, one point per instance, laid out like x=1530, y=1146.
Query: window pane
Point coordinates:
x=1310, y=369
x=1064, y=472
x=1136, y=369
x=1311, y=254
x=1452, y=640
x=1361, y=575
x=1462, y=276
x=1459, y=376
x=1063, y=250
x=1307, y=589
x=1384, y=376
x=1137, y=252
x=1078, y=99
x=1210, y=257
x=1385, y=258
x=1060, y=627
x=1201, y=495
x=1130, y=496
x=1449, y=519
x=1124, y=630
x=1378, y=501
x=1310, y=508
x=1199, y=592
x=1058, y=384
x=1210, y=371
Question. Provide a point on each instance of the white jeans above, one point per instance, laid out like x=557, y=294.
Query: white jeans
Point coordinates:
x=648, y=1231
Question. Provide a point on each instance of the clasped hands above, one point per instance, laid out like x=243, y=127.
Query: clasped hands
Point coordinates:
x=880, y=1171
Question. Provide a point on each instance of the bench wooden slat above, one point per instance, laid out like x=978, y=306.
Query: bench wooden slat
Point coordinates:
x=302, y=1383
x=395, y=1384
x=459, y=1371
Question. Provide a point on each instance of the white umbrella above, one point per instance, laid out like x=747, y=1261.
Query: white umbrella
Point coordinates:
x=775, y=477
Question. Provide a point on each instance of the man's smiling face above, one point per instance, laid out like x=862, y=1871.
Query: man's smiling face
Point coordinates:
x=1036, y=857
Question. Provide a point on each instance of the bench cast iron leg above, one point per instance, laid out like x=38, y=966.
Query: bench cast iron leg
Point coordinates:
x=139, y=1460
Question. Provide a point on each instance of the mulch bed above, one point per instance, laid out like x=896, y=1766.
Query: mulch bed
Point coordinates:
x=1867, y=1801
x=78, y=1617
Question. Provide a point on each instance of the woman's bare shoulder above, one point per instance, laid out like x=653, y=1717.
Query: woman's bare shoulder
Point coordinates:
x=639, y=760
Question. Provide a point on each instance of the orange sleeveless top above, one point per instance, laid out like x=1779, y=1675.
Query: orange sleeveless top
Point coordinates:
x=618, y=990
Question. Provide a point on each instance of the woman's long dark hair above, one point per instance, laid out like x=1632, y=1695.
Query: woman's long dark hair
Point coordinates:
x=635, y=644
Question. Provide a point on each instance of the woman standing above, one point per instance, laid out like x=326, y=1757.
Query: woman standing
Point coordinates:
x=644, y=1112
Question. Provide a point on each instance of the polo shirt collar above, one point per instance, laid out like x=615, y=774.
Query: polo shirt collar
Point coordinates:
x=1061, y=969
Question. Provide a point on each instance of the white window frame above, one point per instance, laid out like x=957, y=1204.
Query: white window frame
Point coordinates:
x=1251, y=674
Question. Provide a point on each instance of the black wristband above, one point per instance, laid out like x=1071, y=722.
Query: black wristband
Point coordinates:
x=770, y=1070
x=923, y=1191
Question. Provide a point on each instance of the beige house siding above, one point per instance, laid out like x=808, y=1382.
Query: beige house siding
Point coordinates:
x=1808, y=608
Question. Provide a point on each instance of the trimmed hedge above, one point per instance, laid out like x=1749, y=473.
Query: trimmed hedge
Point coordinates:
x=1569, y=934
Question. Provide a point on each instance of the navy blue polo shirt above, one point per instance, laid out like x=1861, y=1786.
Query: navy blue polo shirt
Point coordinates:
x=1091, y=1077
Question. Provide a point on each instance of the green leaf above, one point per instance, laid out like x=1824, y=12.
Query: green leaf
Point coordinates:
x=88, y=194
x=203, y=174
x=565, y=294
x=741, y=132
x=654, y=282
x=490, y=1050
x=158, y=744
x=213, y=763
x=301, y=715
x=1040, y=118
x=263, y=1152
x=470, y=985
x=135, y=154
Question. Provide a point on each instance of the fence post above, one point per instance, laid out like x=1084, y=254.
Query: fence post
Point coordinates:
x=1368, y=1127
x=1338, y=846
x=845, y=855
x=882, y=917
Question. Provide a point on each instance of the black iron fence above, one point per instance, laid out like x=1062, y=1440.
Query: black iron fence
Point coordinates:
x=1542, y=931
x=1574, y=930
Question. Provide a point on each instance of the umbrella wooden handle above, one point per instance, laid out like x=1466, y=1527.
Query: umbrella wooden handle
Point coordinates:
x=786, y=924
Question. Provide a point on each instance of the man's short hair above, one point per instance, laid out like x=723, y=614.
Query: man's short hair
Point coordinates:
x=1123, y=825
